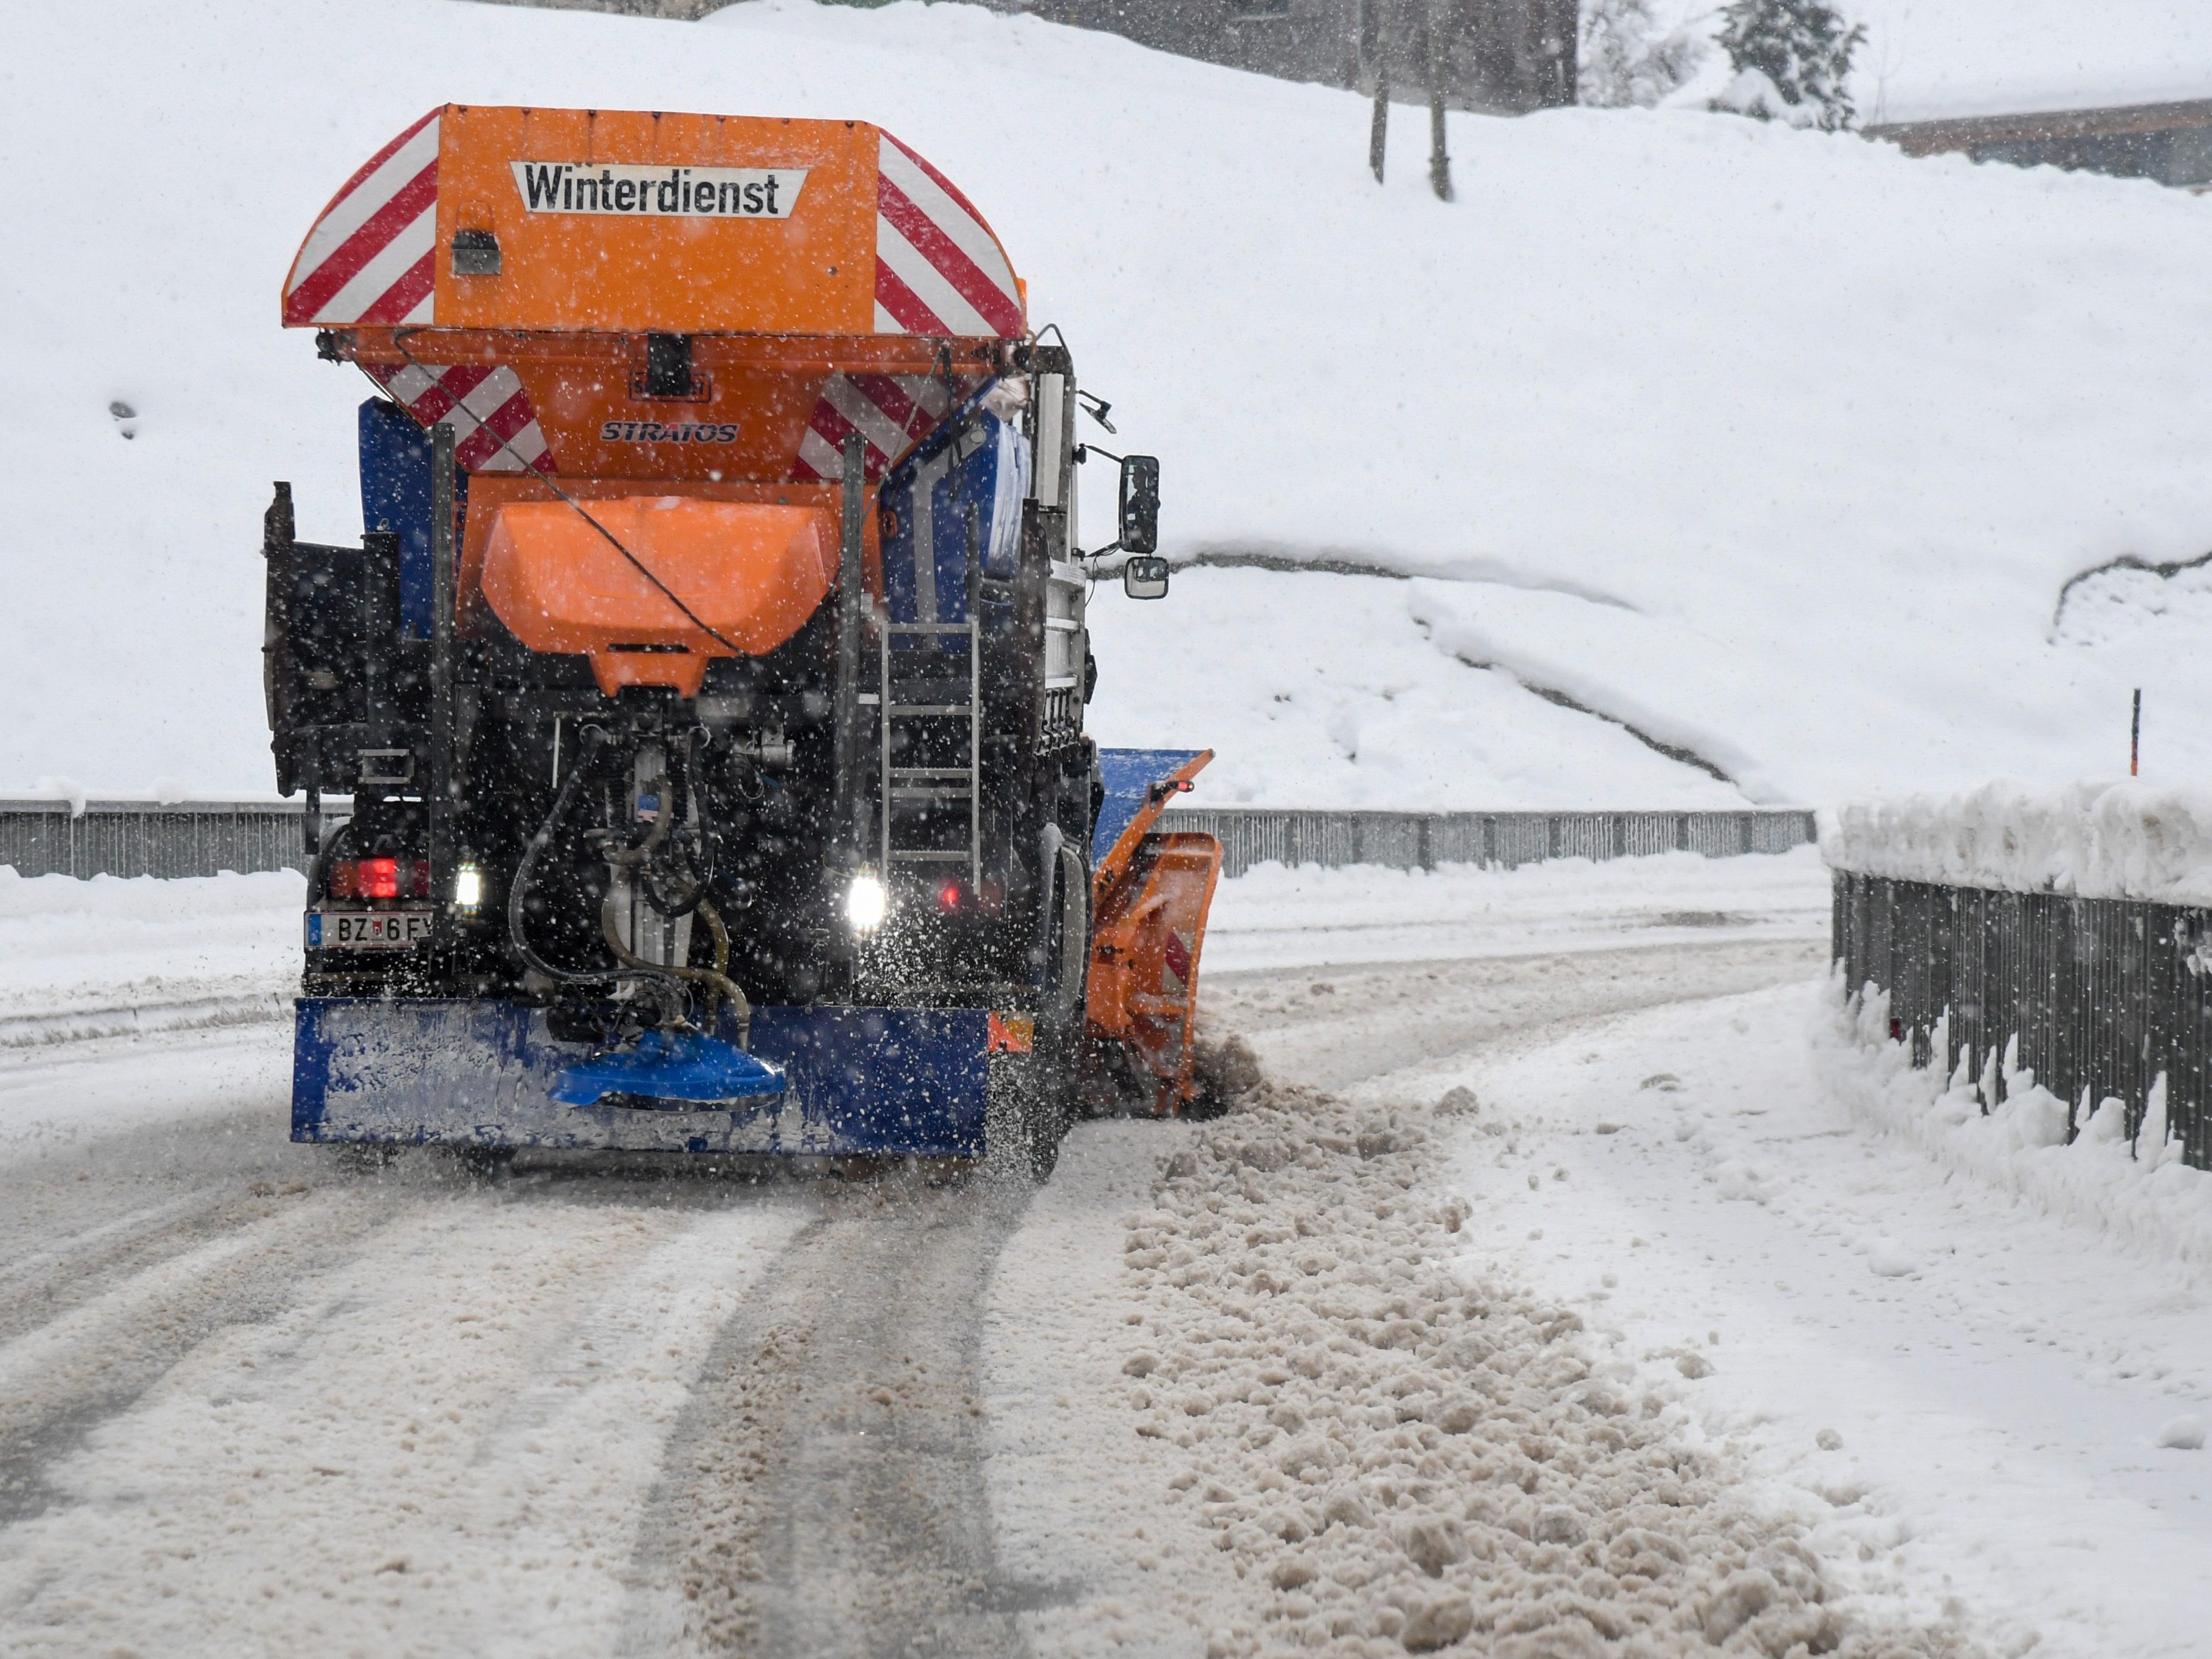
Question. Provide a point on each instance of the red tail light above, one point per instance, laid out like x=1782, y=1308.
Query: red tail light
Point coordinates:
x=380, y=878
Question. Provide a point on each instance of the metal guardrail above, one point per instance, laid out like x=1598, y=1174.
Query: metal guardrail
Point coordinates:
x=198, y=838
x=2099, y=998
x=139, y=838
x=1503, y=841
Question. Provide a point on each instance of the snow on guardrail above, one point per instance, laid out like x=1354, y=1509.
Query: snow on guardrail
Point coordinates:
x=2121, y=841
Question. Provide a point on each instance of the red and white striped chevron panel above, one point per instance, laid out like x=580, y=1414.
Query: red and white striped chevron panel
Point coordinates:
x=484, y=406
x=892, y=413
x=370, y=257
x=938, y=269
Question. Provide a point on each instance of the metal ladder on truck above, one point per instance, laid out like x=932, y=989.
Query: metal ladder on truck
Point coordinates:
x=922, y=706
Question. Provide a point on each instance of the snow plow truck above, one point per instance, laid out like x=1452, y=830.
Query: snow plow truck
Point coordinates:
x=708, y=683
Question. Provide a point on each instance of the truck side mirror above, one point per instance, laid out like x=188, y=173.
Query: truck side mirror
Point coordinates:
x=1145, y=578
x=1141, y=506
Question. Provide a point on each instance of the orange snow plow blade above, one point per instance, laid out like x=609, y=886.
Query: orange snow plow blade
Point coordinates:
x=1151, y=891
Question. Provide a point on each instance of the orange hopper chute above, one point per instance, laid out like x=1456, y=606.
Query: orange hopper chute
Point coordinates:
x=752, y=571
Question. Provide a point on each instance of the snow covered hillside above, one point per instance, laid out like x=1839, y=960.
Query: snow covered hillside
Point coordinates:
x=1930, y=58
x=1775, y=447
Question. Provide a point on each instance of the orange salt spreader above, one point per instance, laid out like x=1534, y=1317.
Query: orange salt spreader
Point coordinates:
x=710, y=681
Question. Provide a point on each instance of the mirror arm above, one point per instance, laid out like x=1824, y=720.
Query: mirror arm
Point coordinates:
x=1096, y=407
x=1084, y=452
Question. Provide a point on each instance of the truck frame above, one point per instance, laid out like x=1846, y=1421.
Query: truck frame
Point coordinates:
x=708, y=683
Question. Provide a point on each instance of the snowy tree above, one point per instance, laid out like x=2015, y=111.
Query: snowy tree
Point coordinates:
x=1793, y=62
x=1625, y=60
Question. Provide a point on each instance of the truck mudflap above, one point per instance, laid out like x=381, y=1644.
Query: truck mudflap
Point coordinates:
x=907, y=1082
x=1151, y=891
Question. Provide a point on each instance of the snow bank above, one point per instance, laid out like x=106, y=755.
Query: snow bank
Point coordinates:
x=106, y=955
x=1729, y=431
x=1398, y=1453
x=2132, y=841
x=1963, y=1399
x=2139, y=1194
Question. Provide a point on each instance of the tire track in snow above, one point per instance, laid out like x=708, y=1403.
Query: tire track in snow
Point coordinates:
x=825, y=1490
x=235, y=1262
x=40, y=1283
x=440, y=1443
x=68, y=1239
x=148, y=1197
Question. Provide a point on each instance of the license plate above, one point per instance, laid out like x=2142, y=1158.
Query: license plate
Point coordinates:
x=366, y=929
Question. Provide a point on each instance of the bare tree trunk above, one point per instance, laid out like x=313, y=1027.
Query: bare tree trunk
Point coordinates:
x=1375, y=53
x=1551, y=31
x=1440, y=159
x=1566, y=31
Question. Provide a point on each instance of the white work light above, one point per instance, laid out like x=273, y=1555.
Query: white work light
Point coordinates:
x=865, y=900
x=468, y=887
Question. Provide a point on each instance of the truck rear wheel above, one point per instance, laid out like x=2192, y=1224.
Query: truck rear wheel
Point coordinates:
x=1059, y=1029
x=1024, y=1116
x=1032, y=1097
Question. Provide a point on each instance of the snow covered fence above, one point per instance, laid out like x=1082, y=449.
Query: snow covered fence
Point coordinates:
x=144, y=838
x=2129, y=839
x=2052, y=940
x=202, y=838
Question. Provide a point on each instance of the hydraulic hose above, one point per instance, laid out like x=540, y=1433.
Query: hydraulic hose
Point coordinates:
x=662, y=977
x=696, y=893
x=718, y=982
x=595, y=738
x=740, y=1007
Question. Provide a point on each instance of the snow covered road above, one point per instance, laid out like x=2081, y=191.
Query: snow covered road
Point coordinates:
x=1270, y=1428
x=250, y=1402
x=825, y=1490
x=1655, y=1340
